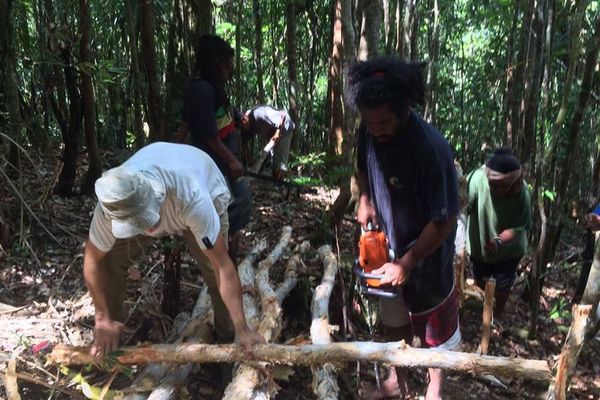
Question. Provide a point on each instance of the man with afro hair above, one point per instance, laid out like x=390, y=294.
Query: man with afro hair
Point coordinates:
x=408, y=187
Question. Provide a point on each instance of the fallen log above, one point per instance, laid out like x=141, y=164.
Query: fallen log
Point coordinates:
x=394, y=353
x=324, y=383
x=249, y=382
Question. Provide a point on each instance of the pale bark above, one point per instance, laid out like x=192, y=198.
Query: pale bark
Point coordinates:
x=324, y=377
x=393, y=353
x=249, y=382
x=247, y=277
x=163, y=379
x=198, y=329
x=570, y=353
x=488, y=306
x=370, y=32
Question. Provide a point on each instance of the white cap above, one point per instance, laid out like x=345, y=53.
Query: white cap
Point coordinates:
x=129, y=199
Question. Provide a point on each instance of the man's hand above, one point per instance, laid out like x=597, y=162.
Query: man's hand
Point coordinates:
x=492, y=245
x=366, y=212
x=246, y=338
x=394, y=273
x=236, y=169
x=592, y=221
x=107, y=333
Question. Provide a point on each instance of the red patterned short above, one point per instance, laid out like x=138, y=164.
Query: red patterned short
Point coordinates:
x=436, y=326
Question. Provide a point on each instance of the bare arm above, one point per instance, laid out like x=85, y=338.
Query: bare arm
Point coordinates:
x=235, y=166
x=106, y=331
x=182, y=132
x=230, y=289
x=365, y=212
x=431, y=237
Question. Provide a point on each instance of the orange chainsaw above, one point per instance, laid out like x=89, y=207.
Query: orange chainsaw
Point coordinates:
x=373, y=252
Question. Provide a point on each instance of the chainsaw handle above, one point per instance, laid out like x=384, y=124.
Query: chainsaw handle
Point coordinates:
x=369, y=291
x=365, y=275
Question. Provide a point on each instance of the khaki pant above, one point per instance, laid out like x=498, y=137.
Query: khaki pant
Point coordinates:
x=126, y=252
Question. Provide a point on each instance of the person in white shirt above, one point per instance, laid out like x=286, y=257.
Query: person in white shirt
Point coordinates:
x=163, y=189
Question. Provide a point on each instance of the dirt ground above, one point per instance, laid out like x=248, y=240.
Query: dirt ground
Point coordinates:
x=43, y=299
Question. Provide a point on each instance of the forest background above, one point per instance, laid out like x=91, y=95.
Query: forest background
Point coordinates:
x=81, y=80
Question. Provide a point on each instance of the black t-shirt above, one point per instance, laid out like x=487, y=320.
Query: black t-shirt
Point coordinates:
x=209, y=117
x=412, y=181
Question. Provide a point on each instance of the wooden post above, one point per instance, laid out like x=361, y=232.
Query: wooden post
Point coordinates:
x=488, y=313
x=570, y=352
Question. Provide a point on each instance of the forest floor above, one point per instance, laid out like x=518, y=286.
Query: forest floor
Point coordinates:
x=43, y=299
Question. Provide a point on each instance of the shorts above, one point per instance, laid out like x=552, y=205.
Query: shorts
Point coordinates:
x=437, y=327
x=504, y=272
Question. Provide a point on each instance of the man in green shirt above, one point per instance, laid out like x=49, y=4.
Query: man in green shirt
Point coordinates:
x=498, y=217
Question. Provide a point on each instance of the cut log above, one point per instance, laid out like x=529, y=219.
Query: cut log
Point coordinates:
x=250, y=382
x=488, y=310
x=247, y=278
x=570, y=353
x=324, y=383
x=393, y=353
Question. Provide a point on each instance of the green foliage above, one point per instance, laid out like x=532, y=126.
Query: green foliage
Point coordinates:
x=550, y=195
x=560, y=309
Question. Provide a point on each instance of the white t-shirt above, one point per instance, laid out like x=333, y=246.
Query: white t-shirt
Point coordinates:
x=195, y=193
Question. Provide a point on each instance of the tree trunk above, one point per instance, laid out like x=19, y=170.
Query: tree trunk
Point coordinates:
x=238, y=58
x=71, y=135
x=155, y=113
x=393, y=353
x=519, y=74
x=370, y=32
x=258, y=51
x=292, y=68
x=388, y=24
x=348, y=186
x=541, y=143
x=135, y=91
x=400, y=29
x=526, y=147
x=176, y=75
x=510, y=67
x=203, y=18
x=552, y=223
x=8, y=84
x=591, y=295
x=336, y=136
x=89, y=102
x=430, y=104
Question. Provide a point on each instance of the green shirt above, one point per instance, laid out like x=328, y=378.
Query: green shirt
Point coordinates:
x=488, y=215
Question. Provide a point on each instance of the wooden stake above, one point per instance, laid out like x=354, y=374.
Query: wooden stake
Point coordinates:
x=488, y=313
x=570, y=353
